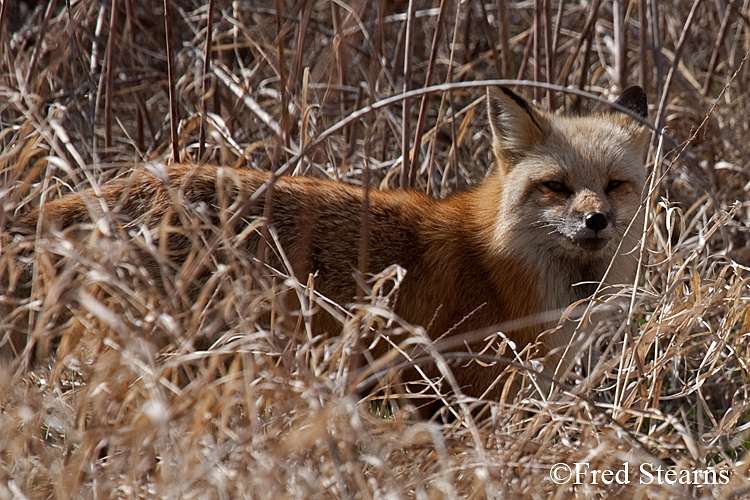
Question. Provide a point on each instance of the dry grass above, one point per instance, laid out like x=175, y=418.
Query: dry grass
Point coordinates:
x=143, y=407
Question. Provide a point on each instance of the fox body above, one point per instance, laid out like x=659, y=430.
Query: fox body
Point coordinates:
x=554, y=212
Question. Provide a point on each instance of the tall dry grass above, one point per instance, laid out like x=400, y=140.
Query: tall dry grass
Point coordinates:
x=123, y=391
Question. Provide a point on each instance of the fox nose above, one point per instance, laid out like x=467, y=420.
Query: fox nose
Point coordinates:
x=596, y=221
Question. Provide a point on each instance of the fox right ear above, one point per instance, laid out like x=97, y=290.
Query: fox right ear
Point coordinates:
x=516, y=126
x=634, y=99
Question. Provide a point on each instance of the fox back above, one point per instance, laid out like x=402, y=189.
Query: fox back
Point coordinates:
x=559, y=208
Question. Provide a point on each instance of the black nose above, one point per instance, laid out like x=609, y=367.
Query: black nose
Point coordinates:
x=596, y=221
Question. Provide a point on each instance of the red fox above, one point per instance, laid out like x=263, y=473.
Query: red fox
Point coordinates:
x=552, y=213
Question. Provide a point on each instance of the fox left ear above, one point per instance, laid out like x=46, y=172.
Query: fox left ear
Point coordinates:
x=634, y=99
x=516, y=125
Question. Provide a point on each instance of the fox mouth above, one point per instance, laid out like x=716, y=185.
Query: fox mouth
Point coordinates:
x=591, y=244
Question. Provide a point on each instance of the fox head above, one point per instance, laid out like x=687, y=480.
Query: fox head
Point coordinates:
x=569, y=186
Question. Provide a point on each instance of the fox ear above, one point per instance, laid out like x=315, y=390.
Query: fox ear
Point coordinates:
x=516, y=126
x=634, y=99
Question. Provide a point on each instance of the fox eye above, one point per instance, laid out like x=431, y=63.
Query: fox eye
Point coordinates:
x=614, y=185
x=556, y=187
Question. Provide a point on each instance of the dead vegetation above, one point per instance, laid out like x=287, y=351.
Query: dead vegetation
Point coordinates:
x=168, y=397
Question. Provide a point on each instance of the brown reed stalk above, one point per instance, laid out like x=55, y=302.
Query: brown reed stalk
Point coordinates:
x=262, y=253
x=357, y=359
x=663, y=97
x=108, y=97
x=97, y=85
x=37, y=46
x=467, y=35
x=139, y=136
x=174, y=116
x=504, y=33
x=620, y=22
x=406, y=180
x=283, y=82
x=295, y=75
x=643, y=42
x=742, y=81
x=584, y=71
x=549, y=52
x=526, y=54
x=205, y=82
x=717, y=47
x=582, y=38
x=3, y=15
x=558, y=27
x=538, y=10
x=341, y=63
x=656, y=44
x=414, y=165
x=490, y=40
